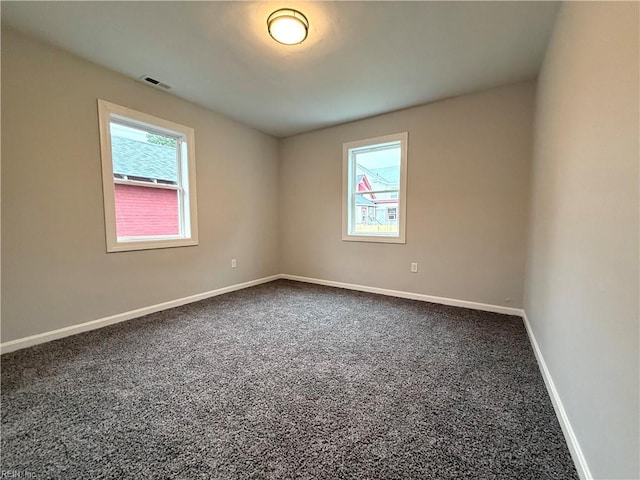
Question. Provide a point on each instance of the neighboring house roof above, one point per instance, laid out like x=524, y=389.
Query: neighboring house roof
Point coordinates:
x=379, y=178
x=141, y=159
x=387, y=174
x=361, y=200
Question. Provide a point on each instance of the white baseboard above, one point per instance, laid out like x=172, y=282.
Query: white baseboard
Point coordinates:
x=25, y=342
x=410, y=295
x=572, y=441
x=44, y=337
x=32, y=340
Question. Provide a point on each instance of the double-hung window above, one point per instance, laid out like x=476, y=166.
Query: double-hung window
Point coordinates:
x=149, y=180
x=374, y=189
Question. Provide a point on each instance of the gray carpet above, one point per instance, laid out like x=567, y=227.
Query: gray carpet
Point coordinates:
x=283, y=381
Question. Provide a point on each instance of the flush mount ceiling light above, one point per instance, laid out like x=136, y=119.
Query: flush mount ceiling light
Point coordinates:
x=288, y=26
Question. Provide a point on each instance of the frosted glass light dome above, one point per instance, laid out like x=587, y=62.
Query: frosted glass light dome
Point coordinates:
x=288, y=26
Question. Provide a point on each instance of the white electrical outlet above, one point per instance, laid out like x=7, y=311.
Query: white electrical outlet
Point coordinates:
x=414, y=268
x=234, y=264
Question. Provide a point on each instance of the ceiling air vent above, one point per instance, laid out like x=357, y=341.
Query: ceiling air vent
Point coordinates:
x=154, y=83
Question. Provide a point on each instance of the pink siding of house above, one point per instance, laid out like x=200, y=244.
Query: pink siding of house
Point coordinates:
x=142, y=211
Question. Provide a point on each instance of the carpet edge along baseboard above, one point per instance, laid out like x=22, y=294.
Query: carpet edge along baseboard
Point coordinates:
x=44, y=337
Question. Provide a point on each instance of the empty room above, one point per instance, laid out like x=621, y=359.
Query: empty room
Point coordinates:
x=320, y=240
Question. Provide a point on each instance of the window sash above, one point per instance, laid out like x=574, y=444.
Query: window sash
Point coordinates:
x=140, y=183
x=182, y=233
x=355, y=206
x=368, y=192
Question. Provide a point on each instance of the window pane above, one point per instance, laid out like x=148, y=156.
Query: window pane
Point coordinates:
x=377, y=169
x=146, y=211
x=147, y=159
x=142, y=155
x=378, y=219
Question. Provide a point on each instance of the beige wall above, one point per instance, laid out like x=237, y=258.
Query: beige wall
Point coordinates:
x=468, y=175
x=276, y=207
x=55, y=269
x=582, y=269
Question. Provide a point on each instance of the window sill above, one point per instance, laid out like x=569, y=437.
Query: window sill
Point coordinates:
x=150, y=244
x=373, y=239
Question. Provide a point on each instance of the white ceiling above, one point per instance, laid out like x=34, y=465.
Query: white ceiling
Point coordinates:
x=360, y=59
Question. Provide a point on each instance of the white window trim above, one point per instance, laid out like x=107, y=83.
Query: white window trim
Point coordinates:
x=189, y=216
x=347, y=191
